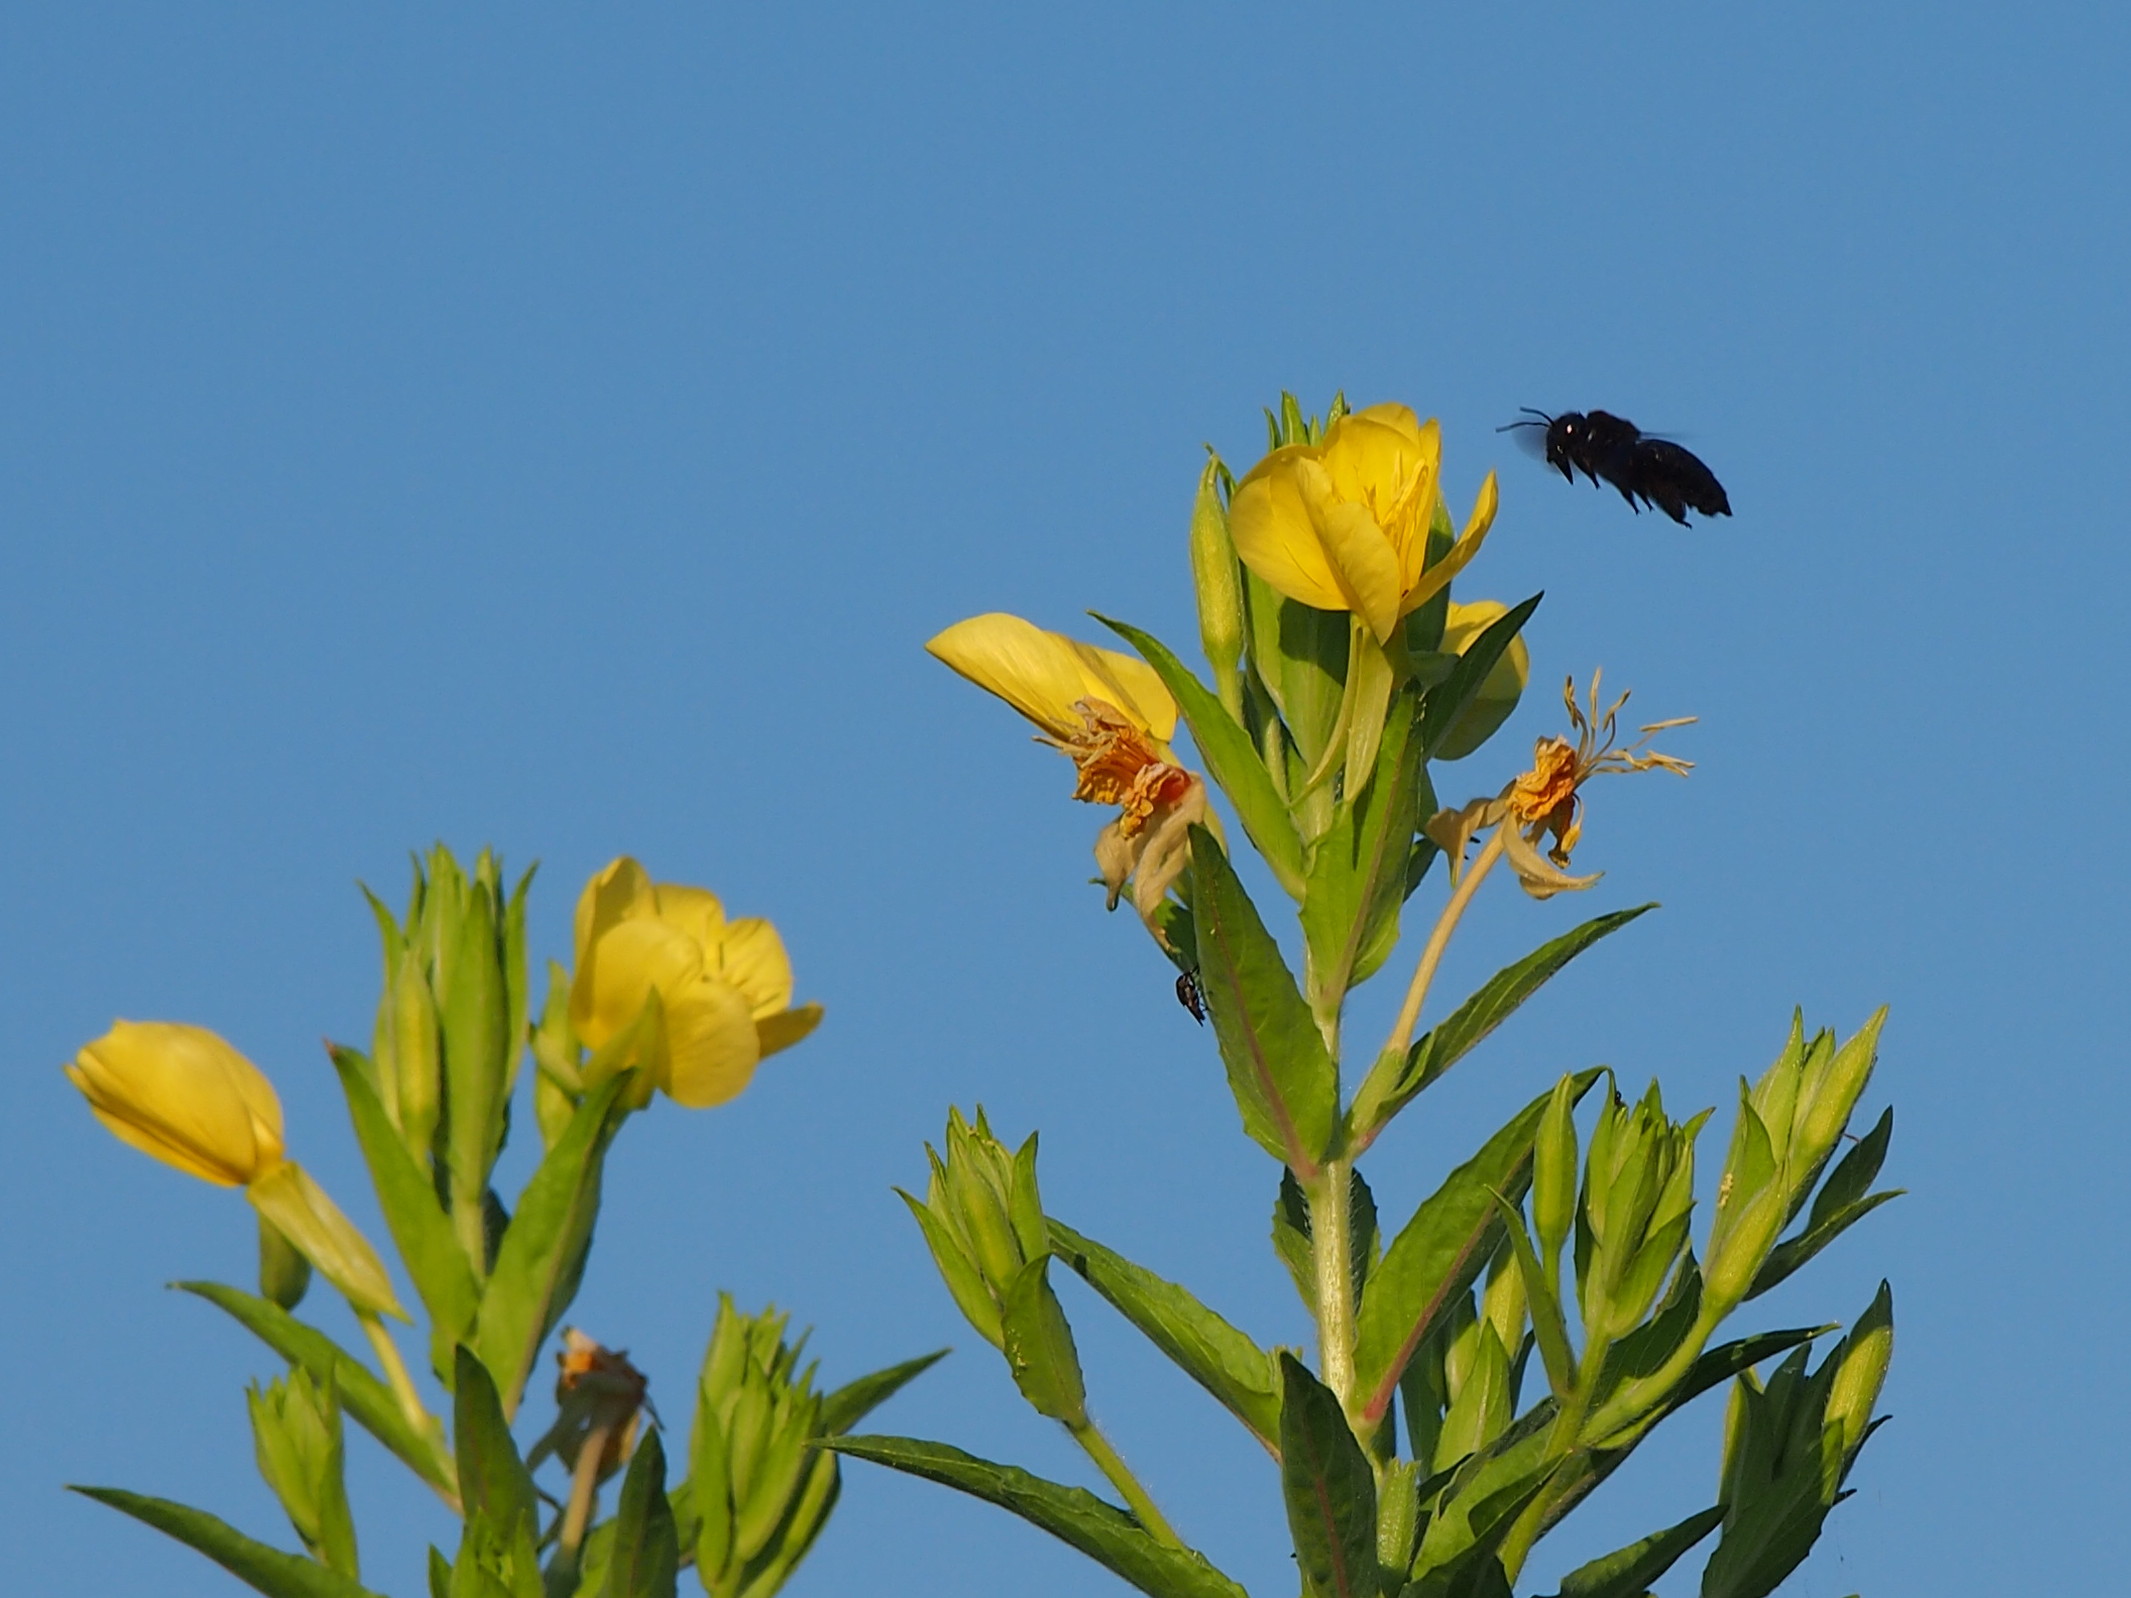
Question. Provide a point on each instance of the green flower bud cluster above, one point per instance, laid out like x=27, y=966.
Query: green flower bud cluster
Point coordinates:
x=297, y=1438
x=982, y=1217
x=451, y=1024
x=759, y=1489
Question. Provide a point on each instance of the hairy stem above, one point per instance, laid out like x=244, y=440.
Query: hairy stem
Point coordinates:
x=1332, y=1259
x=1113, y=1466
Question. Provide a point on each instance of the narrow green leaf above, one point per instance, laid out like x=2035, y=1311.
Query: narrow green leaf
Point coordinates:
x=1787, y=1256
x=1550, y=1327
x=263, y=1568
x=542, y=1254
x=439, y=1573
x=854, y=1401
x=407, y=1195
x=1450, y=699
x=1230, y=759
x=1038, y=1345
x=1852, y=1177
x=1629, y=1572
x=1204, y=1346
x=1106, y=1534
x=494, y=1484
x=1438, y=1255
x=1385, y=1094
x=1722, y=1363
x=366, y=1399
x=647, y=1550
x=1285, y=1084
x=1329, y=1488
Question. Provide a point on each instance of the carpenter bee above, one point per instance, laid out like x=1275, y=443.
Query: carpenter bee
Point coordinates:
x=1609, y=448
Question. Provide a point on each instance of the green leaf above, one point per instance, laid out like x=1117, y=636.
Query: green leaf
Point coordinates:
x=1722, y=1363
x=854, y=1401
x=439, y=1573
x=420, y=1228
x=1393, y=1084
x=1358, y=870
x=494, y=1484
x=1285, y=1084
x=1329, y=1488
x=1204, y=1346
x=1628, y=1572
x=1787, y=1256
x=541, y=1257
x=263, y=1568
x=1038, y=1345
x=1550, y=1327
x=1230, y=759
x=368, y=1400
x=1852, y=1177
x=647, y=1550
x=1106, y=1534
x=1438, y=1255
x=1450, y=699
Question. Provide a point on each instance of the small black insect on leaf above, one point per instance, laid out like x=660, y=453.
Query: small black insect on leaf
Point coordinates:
x=1191, y=994
x=1647, y=471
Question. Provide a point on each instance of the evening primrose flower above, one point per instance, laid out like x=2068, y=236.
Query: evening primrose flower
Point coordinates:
x=1546, y=802
x=1343, y=524
x=724, y=988
x=183, y=1095
x=1110, y=715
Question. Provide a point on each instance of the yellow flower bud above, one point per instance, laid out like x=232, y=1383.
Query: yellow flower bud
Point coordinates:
x=724, y=987
x=1504, y=684
x=185, y=1096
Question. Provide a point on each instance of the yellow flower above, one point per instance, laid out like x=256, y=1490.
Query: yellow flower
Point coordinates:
x=1110, y=715
x=1547, y=801
x=183, y=1095
x=1046, y=675
x=724, y=987
x=1343, y=524
x=1503, y=687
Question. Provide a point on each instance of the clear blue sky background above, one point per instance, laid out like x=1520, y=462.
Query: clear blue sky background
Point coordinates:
x=560, y=429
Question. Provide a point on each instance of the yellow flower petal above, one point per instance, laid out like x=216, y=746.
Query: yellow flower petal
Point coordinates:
x=619, y=971
x=695, y=911
x=1387, y=461
x=712, y=1047
x=786, y=1027
x=1366, y=563
x=1275, y=536
x=622, y=890
x=184, y=1096
x=1043, y=674
x=1438, y=576
x=751, y=957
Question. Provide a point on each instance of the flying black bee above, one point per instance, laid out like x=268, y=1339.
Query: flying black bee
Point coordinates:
x=1191, y=994
x=1609, y=448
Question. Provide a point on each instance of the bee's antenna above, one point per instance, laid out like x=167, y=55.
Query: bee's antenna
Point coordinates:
x=1544, y=420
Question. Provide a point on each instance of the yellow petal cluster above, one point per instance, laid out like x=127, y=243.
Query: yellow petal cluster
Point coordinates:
x=1045, y=675
x=724, y=987
x=185, y=1096
x=1343, y=524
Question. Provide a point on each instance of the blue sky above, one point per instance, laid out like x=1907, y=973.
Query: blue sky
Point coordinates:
x=560, y=430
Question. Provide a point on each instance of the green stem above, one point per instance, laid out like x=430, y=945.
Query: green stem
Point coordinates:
x=1113, y=1466
x=1409, y=1013
x=425, y=1424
